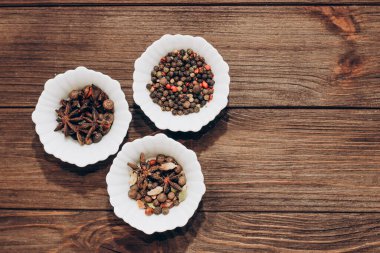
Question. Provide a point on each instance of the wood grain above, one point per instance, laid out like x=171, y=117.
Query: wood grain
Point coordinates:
x=278, y=56
x=63, y=231
x=252, y=160
x=174, y=2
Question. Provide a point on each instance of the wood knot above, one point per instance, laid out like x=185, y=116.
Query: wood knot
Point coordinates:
x=339, y=19
x=349, y=65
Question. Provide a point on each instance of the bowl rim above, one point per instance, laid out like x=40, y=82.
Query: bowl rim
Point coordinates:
x=38, y=114
x=135, y=222
x=197, y=122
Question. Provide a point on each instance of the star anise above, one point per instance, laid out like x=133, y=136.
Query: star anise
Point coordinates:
x=105, y=122
x=66, y=118
x=169, y=181
x=84, y=116
x=144, y=171
x=90, y=125
x=157, y=184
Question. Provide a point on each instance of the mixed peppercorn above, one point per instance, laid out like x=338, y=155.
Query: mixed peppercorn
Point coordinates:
x=182, y=82
x=157, y=184
x=86, y=116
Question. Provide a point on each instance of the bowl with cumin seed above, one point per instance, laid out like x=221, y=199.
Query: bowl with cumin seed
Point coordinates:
x=82, y=116
x=181, y=82
x=163, y=182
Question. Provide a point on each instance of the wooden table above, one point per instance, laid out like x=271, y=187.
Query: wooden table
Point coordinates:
x=292, y=165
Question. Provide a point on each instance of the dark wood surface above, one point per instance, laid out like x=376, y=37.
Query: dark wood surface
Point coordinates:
x=291, y=165
x=278, y=56
x=85, y=231
x=253, y=160
x=176, y=2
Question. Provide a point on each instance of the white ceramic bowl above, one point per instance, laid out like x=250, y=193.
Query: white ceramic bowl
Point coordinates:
x=118, y=185
x=65, y=148
x=141, y=76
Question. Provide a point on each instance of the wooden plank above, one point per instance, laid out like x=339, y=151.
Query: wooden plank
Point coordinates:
x=252, y=160
x=175, y=2
x=278, y=56
x=63, y=231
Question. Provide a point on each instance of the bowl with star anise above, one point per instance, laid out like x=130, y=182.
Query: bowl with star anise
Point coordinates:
x=82, y=116
x=155, y=184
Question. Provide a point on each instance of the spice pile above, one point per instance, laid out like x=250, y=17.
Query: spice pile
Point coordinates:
x=157, y=184
x=86, y=116
x=182, y=82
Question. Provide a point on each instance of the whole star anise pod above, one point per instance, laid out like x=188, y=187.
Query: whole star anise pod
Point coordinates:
x=90, y=126
x=67, y=118
x=144, y=171
x=169, y=181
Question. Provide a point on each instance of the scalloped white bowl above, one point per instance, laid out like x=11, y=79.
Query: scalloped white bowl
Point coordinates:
x=141, y=76
x=65, y=148
x=118, y=185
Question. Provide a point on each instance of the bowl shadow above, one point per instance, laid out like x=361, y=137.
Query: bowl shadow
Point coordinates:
x=129, y=239
x=69, y=176
x=208, y=134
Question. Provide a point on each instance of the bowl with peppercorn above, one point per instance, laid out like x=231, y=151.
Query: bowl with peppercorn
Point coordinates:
x=155, y=184
x=82, y=116
x=181, y=82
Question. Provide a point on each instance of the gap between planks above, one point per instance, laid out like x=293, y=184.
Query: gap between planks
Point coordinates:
x=201, y=211
x=251, y=107
x=261, y=4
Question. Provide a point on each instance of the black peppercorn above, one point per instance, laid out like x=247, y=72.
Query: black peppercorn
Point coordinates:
x=181, y=81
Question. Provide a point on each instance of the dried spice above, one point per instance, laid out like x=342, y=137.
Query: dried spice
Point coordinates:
x=182, y=82
x=86, y=116
x=157, y=184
